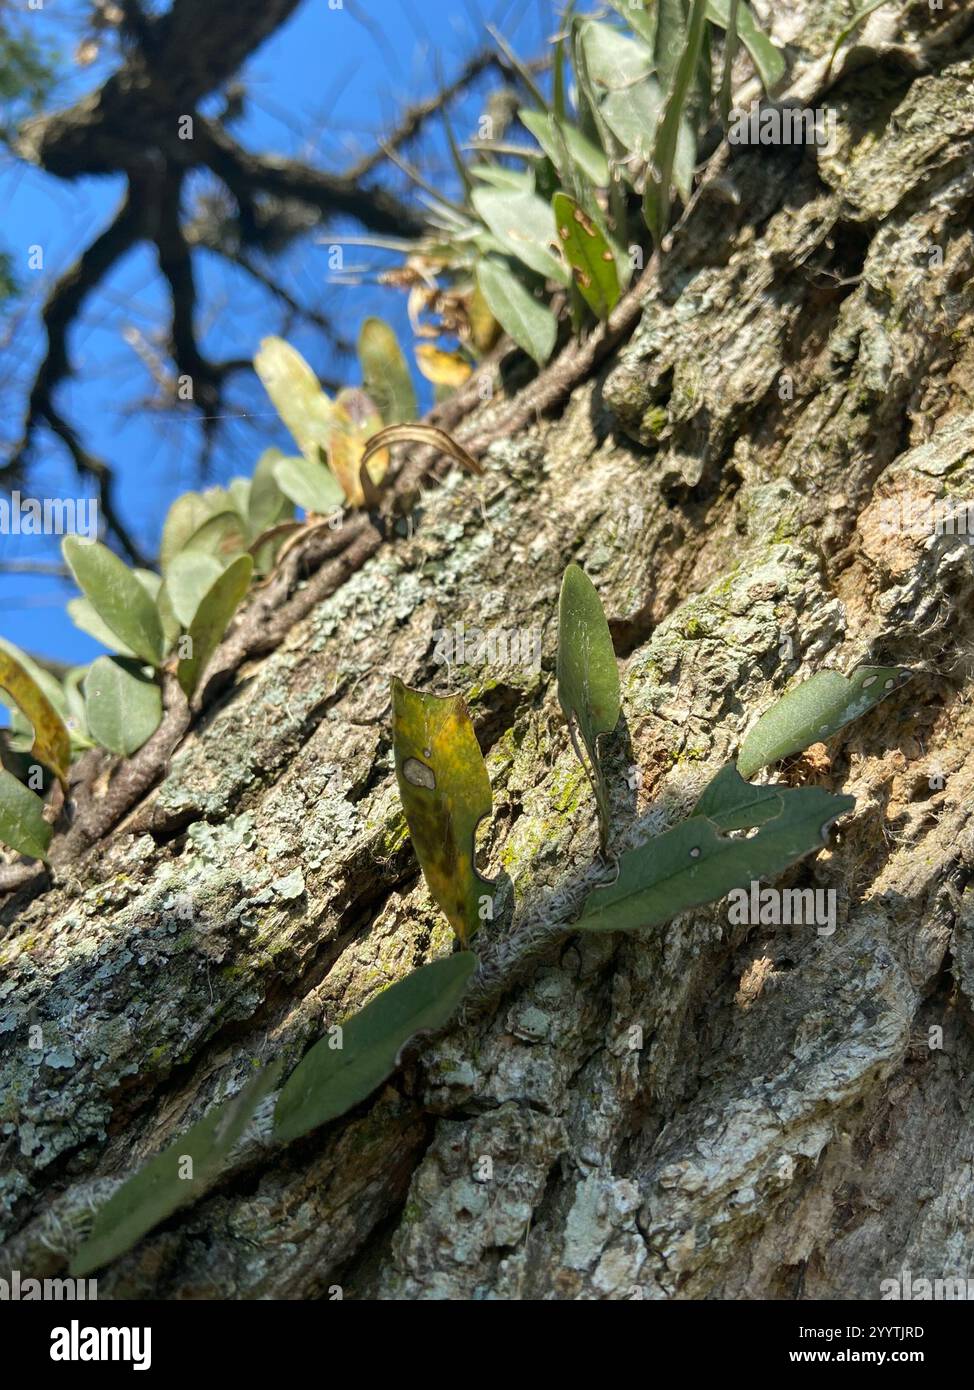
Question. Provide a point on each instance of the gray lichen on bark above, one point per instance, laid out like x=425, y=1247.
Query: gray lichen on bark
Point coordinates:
x=704, y=1110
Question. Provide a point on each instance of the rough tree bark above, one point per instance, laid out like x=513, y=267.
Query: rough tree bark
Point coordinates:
x=706, y=1110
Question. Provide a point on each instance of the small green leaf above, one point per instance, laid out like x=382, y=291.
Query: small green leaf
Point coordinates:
x=312, y=486
x=614, y=59
x=517, y=180
x=176, y=1177
x=659, y=177
x=694, y=863
x=22, y=824
x=768, y=59
x=815, y=710
x=223, y=535
x=530, y=323
x=212, y=617
x=555, y=136
x=123, y=708
x=445, y=792
x=385, y=373
x=330, y=1079
x=525, y=226
x=52, y=743
x=588, y=677
x=587, y=252
x=85, y=618
x=296, y=395
x=267, y=505
x=190, y=575
x=733, y=804
x=186, y=515
x=632, y=113
x=118, y=598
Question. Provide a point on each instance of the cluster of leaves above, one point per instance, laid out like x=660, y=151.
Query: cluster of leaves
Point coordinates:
x=558, y=219
x=737, y=832
x=214, y=544
x=561, y=222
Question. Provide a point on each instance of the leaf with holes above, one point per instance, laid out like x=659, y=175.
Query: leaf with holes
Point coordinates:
x=211, y=620
x=445, y=793
x=121, y=602
x=588, y=677
x=587, y=252
x=815, y=710
x=176, y=1177
x=694, y=863
x=52, y=743
x=123, y=707
x=385, y=373
x=733, y=804
x=343, y=1069
x=22, y=824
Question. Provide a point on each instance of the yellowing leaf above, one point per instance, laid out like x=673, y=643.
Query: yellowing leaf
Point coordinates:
x=385, y=374
x=296, y=395
x=354, y=421
x=422, y=434
x=52, y=743
x=445, y=792
x=442, y=368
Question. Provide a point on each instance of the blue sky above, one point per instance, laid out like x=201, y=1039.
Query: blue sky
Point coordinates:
x=321, y=88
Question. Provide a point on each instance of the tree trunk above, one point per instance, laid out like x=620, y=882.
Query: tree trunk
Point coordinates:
x=702, y=1110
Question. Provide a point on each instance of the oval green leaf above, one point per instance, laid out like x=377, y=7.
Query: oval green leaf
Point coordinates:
x=22, y=824
x=588, y=676
x=119, y=599
x=176, y=1177
x=123, y=707
x=694, y=863
x=191, y=574
x=530, y=323
x=525, y=226
x=212, y=617
x=312, y=486
x=296, y=395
